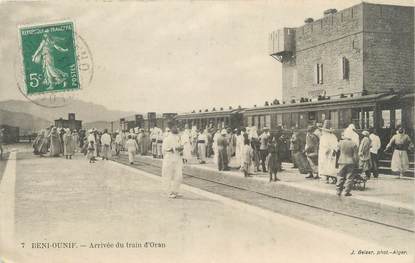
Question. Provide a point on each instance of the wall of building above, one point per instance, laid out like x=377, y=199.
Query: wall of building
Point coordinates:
x=326, y=41
x=377, y=41
x=388, y=47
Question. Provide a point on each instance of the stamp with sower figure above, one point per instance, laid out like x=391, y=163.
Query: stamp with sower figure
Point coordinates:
x=49, y=58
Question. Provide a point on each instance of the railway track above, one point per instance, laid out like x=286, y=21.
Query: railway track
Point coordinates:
x=314, y=214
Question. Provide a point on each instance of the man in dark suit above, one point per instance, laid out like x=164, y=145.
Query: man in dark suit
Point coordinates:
x=347, y=163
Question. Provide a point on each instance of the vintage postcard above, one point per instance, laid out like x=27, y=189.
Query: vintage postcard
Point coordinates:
x=207, y=131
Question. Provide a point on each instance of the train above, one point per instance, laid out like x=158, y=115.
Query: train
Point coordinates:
x=9, y=134
x=384, y=112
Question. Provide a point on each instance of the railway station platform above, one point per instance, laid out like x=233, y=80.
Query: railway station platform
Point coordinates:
x=387, y=199
x=50, y=202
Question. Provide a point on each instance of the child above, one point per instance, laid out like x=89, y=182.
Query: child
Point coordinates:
x=132, y=147
x=247, y=155
x=273, y=162
x=90, y=152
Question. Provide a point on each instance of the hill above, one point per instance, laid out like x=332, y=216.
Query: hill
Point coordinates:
x=27, y=123
x=85, y=111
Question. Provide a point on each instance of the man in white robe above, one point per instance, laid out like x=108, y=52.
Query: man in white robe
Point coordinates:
x=106, y=145
x=239, y=148
x=327, y=152
x=350, y=132
x=91, y=138
x=172, y=162
x=187, y=145
x=153, y=138
x=118, y=143
x=215, y=146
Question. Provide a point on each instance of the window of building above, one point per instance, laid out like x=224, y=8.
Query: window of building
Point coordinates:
x=398, y=117
x=344, y=68
x=312, y=116
x=386, y=119
x=318, y=74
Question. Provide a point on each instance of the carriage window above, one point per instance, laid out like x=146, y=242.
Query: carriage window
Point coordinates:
x=356, y=118
x=386, y=119
x=279, y=120
x=261, y=122
x=256, y=121
x=249, y=124
x=371, y=121
x=302, y=120
x=366, y=118
x=294, y=119
x=286, y=120
x=268, y=121
x=334, y=119
x=398, y=117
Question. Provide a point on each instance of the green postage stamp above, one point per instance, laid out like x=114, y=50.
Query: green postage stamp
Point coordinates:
x=49, y=58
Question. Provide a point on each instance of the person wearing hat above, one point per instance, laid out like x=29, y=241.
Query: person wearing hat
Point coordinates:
x=327, y=152
x=273, y=159
x=61, y=132
x=68, y=145
x=311, y=151
x=263, y=147
x=401, y=143
x=118, y=143
x=222, y=155
x=145, y=142
x=131, y=146
x=230, y=149
x=364, y=154
x=351, y=132
x=215, y=146
x=75, y=139
x=55, y=143
x=160, y=138
x=209, y=146
x=193, y=136
x=186, y=143
x=106, y=145
x=172, y=161
x=234, y=136
x=153, y=142
x=348, y=160
x=374, y=148
x=240, y=142
x=201, y=146
x=294, y=147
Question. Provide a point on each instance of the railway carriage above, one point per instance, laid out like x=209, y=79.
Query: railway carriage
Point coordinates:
x=383, y=112
x=10, y=134
x=232, y=118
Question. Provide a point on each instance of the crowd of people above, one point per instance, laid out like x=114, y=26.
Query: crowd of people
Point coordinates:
x=318, y=154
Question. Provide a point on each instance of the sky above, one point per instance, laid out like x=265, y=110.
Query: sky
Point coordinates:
x=169, y=56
